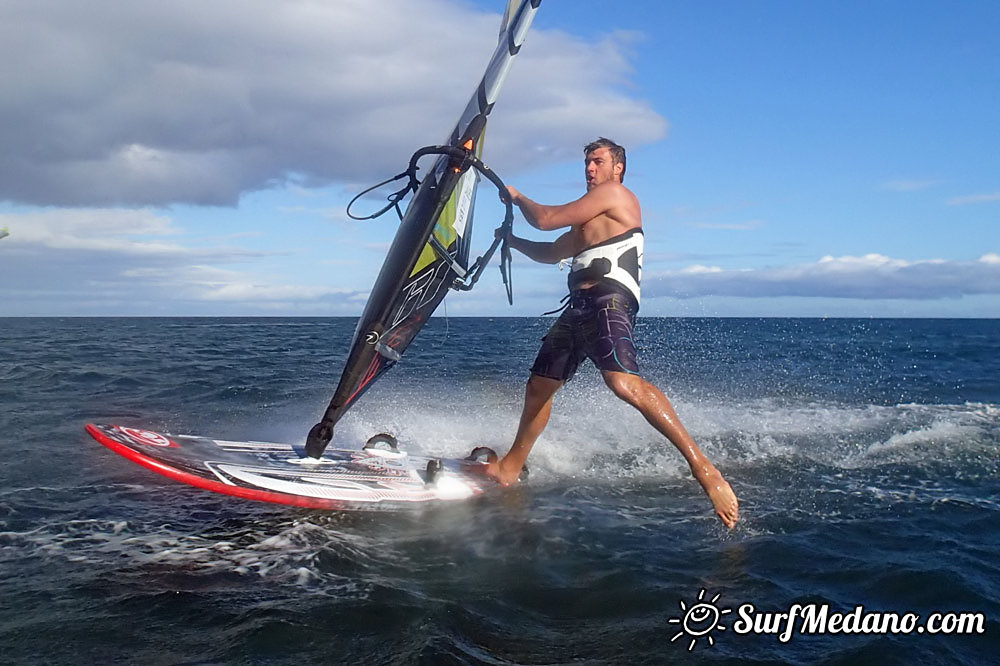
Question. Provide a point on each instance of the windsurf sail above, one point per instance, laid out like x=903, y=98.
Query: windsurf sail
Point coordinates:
x=430, y=252
x=4, y=233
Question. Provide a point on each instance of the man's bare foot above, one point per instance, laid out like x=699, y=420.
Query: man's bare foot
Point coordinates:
x=505, y=475
x=727, y=508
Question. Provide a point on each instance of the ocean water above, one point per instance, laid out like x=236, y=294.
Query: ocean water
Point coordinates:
x=864, y=453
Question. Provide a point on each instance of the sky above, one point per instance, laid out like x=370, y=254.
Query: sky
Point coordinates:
x=823, y=158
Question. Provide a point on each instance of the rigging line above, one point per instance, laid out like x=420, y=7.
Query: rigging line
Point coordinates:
x=393, y=199
x=447, y=321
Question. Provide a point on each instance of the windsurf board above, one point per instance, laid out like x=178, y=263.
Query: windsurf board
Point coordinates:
x=375, y=476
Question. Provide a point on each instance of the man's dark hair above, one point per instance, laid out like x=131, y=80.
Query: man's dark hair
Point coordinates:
x=617, y=152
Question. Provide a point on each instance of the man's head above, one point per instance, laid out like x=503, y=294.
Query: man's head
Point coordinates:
x=604, y=160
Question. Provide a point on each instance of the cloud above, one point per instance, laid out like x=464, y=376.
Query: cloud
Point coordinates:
x=873, y=276
x=119, y=261
x=974, y=199
x=146, y=103
x=208, y=283
x=118, y=230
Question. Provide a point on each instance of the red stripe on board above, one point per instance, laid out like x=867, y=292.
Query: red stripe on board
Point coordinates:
x=207, y=484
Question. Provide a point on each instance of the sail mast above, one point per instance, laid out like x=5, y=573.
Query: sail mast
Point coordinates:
x=431, y=247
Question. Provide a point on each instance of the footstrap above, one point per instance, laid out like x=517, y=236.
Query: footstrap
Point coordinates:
x=491, y=456
x=480, y=451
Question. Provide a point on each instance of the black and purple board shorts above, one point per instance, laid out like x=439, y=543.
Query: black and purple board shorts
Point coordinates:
x=597, y=324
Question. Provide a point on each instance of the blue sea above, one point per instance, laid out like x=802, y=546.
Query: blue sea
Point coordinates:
x=864, y=453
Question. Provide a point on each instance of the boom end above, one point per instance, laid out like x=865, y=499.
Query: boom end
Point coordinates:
x=318, y=439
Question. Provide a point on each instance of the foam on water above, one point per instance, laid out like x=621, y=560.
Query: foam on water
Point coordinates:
x=281, y=552
x=589, y=425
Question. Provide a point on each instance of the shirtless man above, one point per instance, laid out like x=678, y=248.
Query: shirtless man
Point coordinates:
x=605, y=241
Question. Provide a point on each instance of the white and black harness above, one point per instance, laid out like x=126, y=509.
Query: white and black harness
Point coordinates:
x=618, y=259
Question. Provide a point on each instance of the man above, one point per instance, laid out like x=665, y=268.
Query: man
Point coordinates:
x=605, y=241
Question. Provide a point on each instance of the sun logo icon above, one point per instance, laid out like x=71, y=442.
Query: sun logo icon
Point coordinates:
x=701, y=619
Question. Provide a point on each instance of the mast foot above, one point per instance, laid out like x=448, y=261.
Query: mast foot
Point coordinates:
x=318, y=439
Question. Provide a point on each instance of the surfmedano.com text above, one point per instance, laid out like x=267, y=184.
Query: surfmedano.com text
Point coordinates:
x=803, y=619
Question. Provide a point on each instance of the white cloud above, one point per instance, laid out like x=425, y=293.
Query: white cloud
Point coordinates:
x=209, y=283
x=872, y=276
x=150, y=103
x=114, y=230
x=974, y=199
x=698, y=269
x=111, y=262
x=39, y=226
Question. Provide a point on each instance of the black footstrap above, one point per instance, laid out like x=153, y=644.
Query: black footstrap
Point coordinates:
x=480, y=451
x=434, y=468
x=491, y=456
x=382, y=438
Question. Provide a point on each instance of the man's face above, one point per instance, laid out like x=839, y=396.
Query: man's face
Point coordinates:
x=600, y=168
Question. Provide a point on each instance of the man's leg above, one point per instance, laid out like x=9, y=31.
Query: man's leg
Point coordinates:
x=658, y=411
x=538, y=396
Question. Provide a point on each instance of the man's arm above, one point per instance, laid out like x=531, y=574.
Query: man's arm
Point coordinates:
x=545, y=253
x=595, y=202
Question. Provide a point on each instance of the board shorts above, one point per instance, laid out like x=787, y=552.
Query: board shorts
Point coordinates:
x=597, y=324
